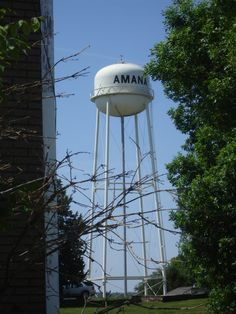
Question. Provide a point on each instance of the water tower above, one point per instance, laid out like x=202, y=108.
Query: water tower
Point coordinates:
x=122, y=91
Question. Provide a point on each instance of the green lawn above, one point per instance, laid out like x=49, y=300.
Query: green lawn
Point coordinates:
x=196, y=306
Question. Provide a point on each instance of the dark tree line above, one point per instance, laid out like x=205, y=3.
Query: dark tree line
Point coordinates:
x=71, y=248
x=177, y=275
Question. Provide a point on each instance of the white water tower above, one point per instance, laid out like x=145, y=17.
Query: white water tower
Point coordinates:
x=122, y=91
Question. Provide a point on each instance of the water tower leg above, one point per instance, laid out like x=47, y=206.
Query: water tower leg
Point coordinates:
x=106, y=186
x=157, y=198
x=139, y=161
x=124, y=206
x=93, y=197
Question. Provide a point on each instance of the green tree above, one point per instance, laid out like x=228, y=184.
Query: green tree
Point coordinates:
x=14, y=40
x=176, y=276
x=197, y=66
x=71, y=246
x=154, y=284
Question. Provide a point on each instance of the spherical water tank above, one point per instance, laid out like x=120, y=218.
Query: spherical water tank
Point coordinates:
x=124, y=87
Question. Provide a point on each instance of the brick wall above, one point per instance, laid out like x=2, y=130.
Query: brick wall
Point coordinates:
x=22, y=265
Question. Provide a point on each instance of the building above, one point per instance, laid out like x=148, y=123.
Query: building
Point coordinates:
x=28, y=274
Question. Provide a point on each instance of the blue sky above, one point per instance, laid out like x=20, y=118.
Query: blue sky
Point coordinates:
x=110, y=28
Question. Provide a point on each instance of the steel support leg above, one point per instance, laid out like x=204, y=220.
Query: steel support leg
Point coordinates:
x=157, y=198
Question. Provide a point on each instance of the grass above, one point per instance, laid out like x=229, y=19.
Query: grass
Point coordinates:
x=196, y=306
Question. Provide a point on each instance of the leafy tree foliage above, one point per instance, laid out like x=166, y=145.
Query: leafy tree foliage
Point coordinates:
x=71, y=264
x=154, y=284
x=176, y=275
x=197, y=66
x=14, y=39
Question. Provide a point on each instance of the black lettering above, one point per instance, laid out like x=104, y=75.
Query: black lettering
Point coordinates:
x=116, y=79
x=134, y=79
x=140, y=80
x=124, y=78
